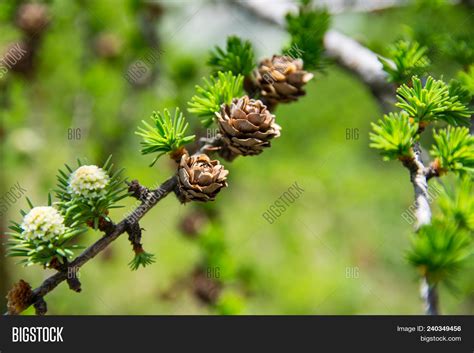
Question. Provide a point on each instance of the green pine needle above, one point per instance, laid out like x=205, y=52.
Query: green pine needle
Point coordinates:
x=460, y=90
x=460, y=48
x=41, y=250
x=166, y=135
x=141, y=259
x=456, y=203
x=238, y=57
x=394, y=136
x=454, y=147
x=216, y=91
x=431, y=102
x=439, y=251
x=405, y=59
x=466, y=79
x=78, y=209
x=307, y=29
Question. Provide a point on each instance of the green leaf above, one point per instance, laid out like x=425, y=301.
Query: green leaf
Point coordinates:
x=460, y=48
x=459, y=90
x=456, y=203
x=238, y=57
x=141, y=259
x=307, y=29
x=466, y=80
x=107, y=163
x=404, y=60
x=432, y=102
x=216, y=91
x=454, y=148
x=439, y=250
x=394, y=136
x=167, y=135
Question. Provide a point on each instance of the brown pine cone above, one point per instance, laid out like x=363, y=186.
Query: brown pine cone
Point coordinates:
x=32, y=18
x=107, y=45
x=192, y=224
x=20, y=57
x=200, y=178
x=247, y=126
x=19, y=297
x=154, y=9
x=205, y=288
x=281, y=79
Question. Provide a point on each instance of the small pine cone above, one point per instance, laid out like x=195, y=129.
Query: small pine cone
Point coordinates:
x=20, y=57
x=281, y=79
x=107, y=45
x=247, y=126
x=200, y=178
x=32, y=18
x=19, y=297
x=154, y=9
x=193, y=223
x=205, y=289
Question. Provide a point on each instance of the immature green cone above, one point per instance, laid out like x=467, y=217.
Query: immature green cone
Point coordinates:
x=246, y=126
x=281, y=79
x=19, y=297
x=200, y=178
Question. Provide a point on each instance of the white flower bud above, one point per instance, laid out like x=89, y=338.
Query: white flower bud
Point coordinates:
x=88, y=181
x=43, y=222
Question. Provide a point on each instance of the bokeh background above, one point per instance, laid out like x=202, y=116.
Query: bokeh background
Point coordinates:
x=338, y=249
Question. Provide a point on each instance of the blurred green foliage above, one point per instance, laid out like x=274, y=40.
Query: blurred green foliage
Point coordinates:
x=393, y=136
x=454, y=147
x=238, y=57
x=406, y=59
x=307, y=29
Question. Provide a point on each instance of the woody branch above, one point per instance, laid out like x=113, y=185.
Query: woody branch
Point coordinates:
x=419, y=176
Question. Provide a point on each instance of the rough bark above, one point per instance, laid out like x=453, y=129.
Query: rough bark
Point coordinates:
x=419, y=176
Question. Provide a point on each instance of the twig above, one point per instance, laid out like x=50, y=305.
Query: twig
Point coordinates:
x=148, y=198
x=419, y=175
x=429, y=293
x=113, y=233
x=363, y=63
x=420, y=184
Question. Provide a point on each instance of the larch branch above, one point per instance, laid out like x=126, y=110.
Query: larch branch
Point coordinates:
x=113, y=232
x=345, y=51
x=419, y=175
